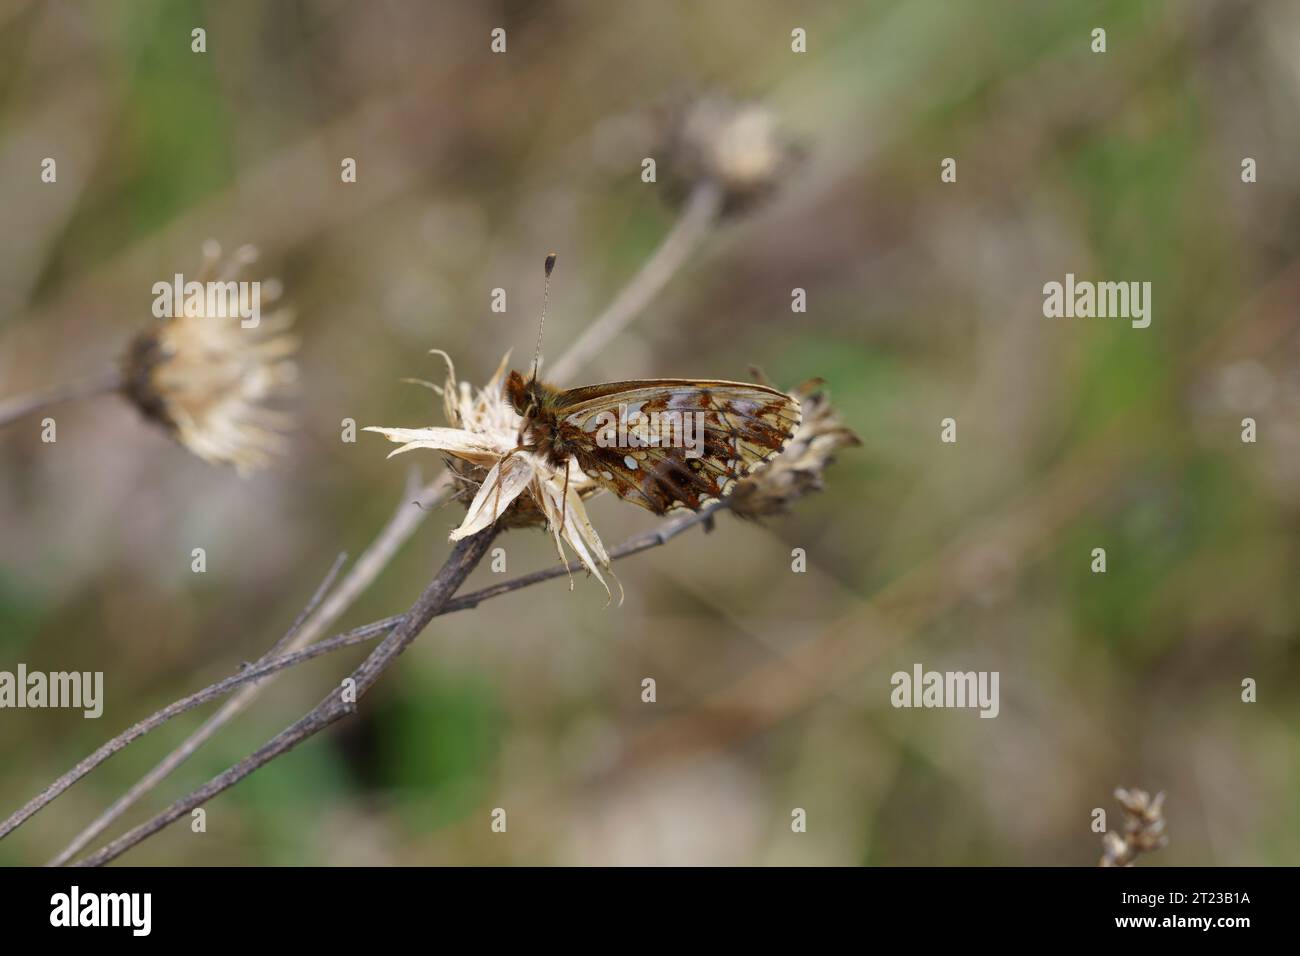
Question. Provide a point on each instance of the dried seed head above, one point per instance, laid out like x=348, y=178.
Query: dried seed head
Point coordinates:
x=798, y=470
x=497, y=482
x=736, y=145
x=206, y=378
x=1144, y=828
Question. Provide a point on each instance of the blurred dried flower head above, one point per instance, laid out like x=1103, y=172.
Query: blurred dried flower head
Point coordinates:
x=1144, y=828
x=497, y=481
x=735, y=145
x=798, y=470
x=206, y=378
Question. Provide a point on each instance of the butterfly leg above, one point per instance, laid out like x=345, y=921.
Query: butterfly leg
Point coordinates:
x=523, y=428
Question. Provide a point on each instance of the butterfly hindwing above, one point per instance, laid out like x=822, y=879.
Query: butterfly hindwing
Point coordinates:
x=734, y=427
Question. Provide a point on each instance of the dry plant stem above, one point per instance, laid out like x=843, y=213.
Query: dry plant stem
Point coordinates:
x=320, y=614
x=635, y=545
x=200, y=736
x=12, y=409
x=697, y=219
x=185, y=704
x=143, y=727
x=463, y=559
x=253, y=674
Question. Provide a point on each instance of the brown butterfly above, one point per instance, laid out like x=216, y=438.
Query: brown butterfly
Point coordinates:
x=663, y=443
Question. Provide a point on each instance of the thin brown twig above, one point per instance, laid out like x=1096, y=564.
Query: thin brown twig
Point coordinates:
x=143, y=727
x=634, y=545
x=336, y=705
x=200, y=736
x=19, y=406
x=175, y=709
x=406, y=518
x=698, y=216
x=323, y=612
x=255, y=673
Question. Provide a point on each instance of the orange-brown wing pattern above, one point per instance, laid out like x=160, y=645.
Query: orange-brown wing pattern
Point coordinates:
x=674, y=443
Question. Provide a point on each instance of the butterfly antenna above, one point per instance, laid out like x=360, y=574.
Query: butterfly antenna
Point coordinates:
x=546, y=301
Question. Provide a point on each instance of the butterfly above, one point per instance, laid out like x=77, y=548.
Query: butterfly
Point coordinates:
x=662, y=444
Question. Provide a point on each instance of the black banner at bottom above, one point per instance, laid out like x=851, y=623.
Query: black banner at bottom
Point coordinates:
x=342, y=906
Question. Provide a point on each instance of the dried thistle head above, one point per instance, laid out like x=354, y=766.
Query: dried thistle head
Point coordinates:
x=496, y=480
x=205, y=377
x=798, y=470
x=1144, y=828
x=736, y=145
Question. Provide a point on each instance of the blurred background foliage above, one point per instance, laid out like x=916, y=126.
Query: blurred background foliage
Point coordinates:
x=924, y=302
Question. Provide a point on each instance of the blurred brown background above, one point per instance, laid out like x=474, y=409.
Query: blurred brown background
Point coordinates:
x=924, y=302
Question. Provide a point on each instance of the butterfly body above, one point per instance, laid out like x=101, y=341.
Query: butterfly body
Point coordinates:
x=662, y=444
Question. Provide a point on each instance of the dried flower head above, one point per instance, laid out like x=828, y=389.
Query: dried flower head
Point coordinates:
x=498, y=481
x=205, y=377
x=1144, y=828
x=736, y=145
x=798, y=470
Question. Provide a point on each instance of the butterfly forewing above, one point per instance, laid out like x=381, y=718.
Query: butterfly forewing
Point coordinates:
x=635, y=438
